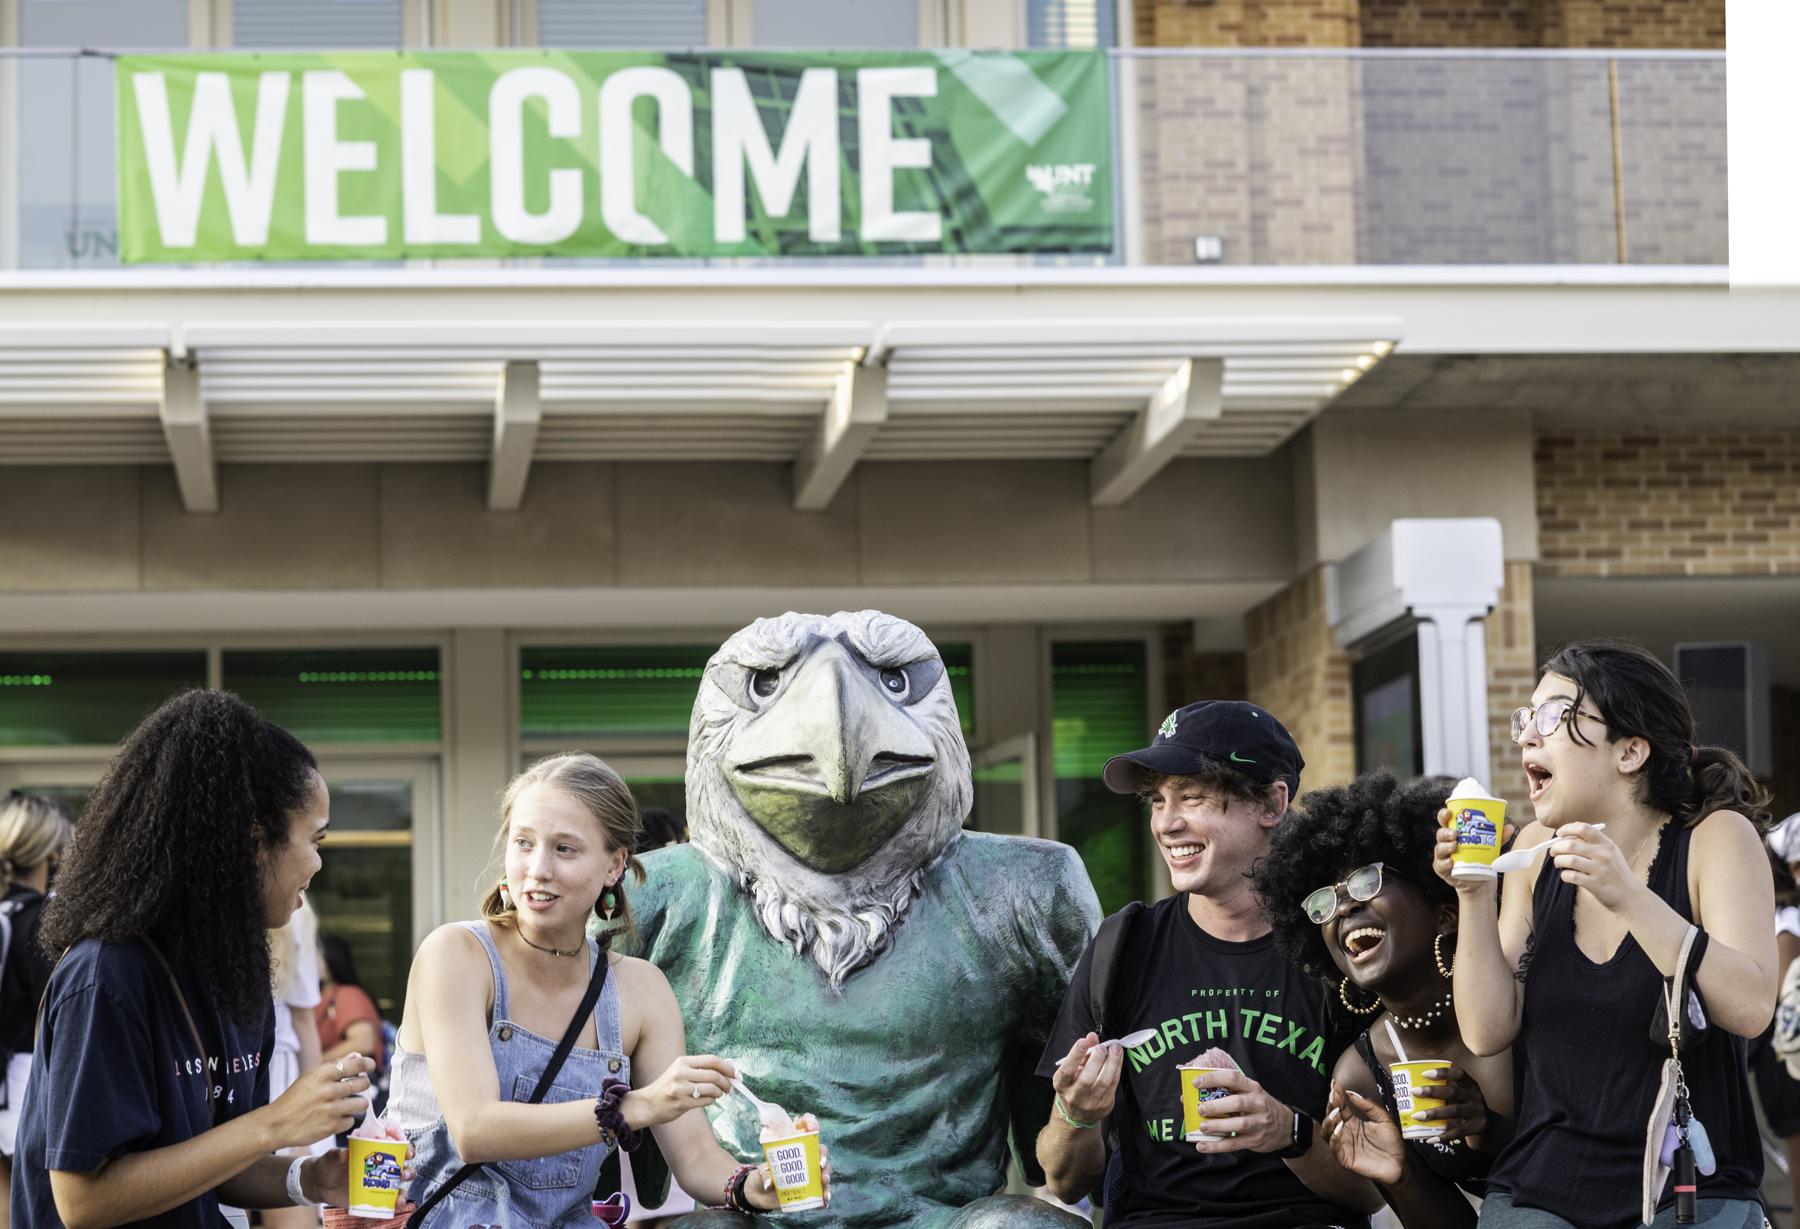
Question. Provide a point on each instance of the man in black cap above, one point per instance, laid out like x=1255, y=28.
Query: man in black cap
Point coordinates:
x=1193, y=973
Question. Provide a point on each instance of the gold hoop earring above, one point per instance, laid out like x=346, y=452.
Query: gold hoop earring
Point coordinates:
x=1437, y=957
x=1344, y=995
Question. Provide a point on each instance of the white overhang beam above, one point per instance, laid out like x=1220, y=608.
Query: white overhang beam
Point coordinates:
x=1175, y=413
x=858, y=407
x=189, y=435
x=518, y=412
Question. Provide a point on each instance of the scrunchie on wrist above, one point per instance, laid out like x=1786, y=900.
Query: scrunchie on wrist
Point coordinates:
x=609, y=1118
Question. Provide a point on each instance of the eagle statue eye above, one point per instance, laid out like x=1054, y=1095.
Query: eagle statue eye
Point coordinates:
x=895, y=683
x=764, y=683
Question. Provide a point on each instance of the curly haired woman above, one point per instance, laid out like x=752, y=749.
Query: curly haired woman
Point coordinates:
x=146, y=1098
x=1349, y=887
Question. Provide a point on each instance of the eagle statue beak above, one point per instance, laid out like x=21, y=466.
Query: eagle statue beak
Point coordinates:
x=832, y=768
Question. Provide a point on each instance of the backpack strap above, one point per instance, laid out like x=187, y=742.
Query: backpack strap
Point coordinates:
x=1103, y=967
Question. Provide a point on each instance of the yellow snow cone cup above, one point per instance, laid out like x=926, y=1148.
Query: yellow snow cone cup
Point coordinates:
x=1412, y=1099
x=376, y=1166
x=1193, y=1123
x=794, y=1167
x=1479, y=824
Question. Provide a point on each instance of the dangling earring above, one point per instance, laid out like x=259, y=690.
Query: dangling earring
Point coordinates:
x=1437, y=956
x=607, y=907
x=1344, y=995
x=506, y=901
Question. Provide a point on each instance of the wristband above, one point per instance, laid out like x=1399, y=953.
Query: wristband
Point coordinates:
x=294, y=1190
x=734, y=1190
x=609, y=1117
x=1070, y=1118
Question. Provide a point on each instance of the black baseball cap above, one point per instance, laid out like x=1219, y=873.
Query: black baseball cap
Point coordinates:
x=1230, y=733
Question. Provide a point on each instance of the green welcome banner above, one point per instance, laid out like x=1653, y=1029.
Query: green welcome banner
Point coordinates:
x=379, y=156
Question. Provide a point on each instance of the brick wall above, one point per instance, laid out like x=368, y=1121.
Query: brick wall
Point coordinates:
x=1297, y=672
x=1511, y=678
x=1191, y=674
x=1633, y=23
x=1449, y=23
x=1248, y=23
x=1711, y=504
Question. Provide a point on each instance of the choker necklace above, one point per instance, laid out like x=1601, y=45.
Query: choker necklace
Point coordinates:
x=554, y=951
x=1419, y=1021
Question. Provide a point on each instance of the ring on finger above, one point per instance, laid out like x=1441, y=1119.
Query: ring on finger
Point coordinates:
x=696, y=1091
x=342, y=1074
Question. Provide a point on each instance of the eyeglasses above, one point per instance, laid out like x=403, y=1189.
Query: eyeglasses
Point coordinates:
x=1363, y=883
x=1546, y=717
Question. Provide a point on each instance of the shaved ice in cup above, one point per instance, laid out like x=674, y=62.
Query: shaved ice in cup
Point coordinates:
x=1193, y=1122
x=1479, y=820
x=794, y=1163
x=377, y=1169
x=1411, y=1098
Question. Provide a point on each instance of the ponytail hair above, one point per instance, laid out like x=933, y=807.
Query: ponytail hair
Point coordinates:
x=1638, y=697
x=600, y=791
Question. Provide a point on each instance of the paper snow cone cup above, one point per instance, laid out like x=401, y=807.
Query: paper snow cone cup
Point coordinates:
x=794, y=1167
x=1193, y=1123
x=375, y=1169
x=1478, y=823
x=1411, y=1098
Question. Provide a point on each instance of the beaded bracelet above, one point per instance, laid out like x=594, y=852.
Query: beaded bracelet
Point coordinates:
x=609, y=1118
x=734, y=1190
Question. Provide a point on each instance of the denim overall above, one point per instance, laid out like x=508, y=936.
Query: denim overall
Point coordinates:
x=553, y=1190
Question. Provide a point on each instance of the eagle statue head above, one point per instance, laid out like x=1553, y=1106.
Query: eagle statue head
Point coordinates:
x=826, y=771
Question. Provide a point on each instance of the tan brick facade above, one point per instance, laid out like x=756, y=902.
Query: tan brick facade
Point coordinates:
x=1543, y=23
x=1511, y=678
x=1716, y=504
x=1296, y=671
x=1191, y=674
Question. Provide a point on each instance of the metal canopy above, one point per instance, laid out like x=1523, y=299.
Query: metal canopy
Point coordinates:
x=1127, y=395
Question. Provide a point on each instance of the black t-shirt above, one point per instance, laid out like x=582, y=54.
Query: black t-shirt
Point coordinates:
x=1199, y=992
x=25, y=974
x=117, y=1072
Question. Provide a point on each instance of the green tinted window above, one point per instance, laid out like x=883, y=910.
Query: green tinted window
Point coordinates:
x=76, y=699
x=646, y=689
x=342, y=695
x=1100, y=701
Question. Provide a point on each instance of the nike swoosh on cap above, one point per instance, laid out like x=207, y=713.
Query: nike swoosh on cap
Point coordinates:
x=1238, y=759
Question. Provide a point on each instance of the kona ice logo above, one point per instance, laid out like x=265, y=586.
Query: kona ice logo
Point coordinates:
x=381, y=1172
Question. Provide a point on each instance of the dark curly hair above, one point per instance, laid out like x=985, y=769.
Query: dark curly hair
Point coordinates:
x=168, y=847
x=1639, y=697
x=1375, y=818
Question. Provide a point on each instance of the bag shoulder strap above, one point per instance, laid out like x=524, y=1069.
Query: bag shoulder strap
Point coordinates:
x=570, y=1036
x=1103, y=966
x=193, y=1029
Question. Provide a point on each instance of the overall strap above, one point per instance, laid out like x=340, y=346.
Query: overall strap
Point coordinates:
x=570, y=1035
x=609, y=1030
x=480, y=931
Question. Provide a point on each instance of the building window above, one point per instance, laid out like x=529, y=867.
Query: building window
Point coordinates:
x=663, y=24
x=862, y=24
x=87, y=699
x=364, y=889
x=67, y=211
x=342, y=695
x=1385, y=683
x=1100, y=707
x=1075, y=25
x=318, y=24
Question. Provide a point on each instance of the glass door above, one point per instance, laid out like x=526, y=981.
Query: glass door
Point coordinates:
x=1006, y=788
x=376, y=885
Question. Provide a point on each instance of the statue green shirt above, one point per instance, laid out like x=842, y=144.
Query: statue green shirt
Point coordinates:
x=923, y=1062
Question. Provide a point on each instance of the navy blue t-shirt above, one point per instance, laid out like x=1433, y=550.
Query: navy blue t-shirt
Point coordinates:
x=116, y=1071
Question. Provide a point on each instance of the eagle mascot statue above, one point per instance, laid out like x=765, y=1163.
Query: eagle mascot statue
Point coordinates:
x=835, y=932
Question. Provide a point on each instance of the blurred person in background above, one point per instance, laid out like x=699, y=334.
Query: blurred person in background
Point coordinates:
x=349, y=1022
x=33, y=831
x=661, y=827
x=294, y=951
x=1778, y=1082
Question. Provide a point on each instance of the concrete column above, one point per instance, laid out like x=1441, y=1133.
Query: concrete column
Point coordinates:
x=480, y=756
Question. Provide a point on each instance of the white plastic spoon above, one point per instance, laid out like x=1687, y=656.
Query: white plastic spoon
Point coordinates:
x=1131, y=1041
x=1518, y=859
x=773, y=1116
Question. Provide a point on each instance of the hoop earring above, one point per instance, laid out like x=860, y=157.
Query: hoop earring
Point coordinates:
x=1437, y=957
x=1344, y=996
x=506, y=900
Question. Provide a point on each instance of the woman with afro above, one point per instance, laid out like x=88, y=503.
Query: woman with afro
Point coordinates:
x=1349, y=887
x=146, y=1098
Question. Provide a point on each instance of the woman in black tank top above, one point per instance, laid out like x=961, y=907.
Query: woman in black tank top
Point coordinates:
x=1571, y=971
x=1386, y=940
